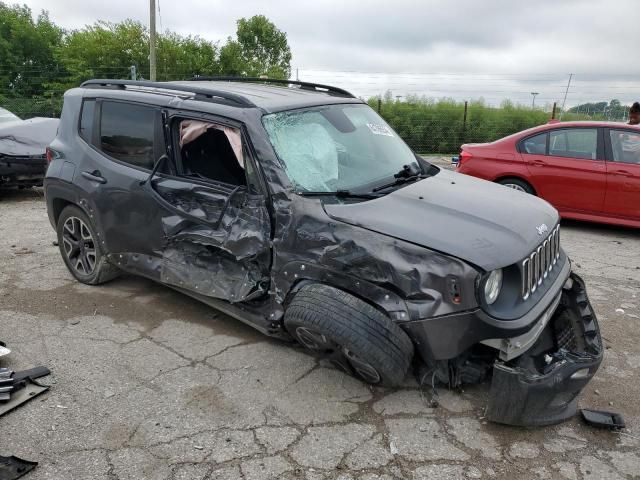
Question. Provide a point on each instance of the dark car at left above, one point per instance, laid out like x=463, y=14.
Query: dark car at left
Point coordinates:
x=23, y=145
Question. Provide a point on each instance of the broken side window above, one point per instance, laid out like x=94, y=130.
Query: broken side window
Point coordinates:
x=210, y=151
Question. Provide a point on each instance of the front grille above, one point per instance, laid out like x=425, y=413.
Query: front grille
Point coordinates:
x=536, y=267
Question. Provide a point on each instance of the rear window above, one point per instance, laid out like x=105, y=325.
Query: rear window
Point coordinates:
x=86, y=120
x=536, y=145
x=127, y=133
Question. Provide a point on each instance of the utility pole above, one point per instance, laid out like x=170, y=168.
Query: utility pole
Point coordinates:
x=152, y=40
x=297, y=75
x=533, y=102
x=464, y=121
x=565, y=95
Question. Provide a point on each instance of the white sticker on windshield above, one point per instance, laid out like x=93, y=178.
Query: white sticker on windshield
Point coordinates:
x=377, y=129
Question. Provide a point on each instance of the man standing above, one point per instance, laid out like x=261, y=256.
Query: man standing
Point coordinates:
x=634, y=114
x=627, y=147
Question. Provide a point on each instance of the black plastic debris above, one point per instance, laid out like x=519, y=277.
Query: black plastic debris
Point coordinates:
x=17, y=388
x=603, y=419
x=14, y=467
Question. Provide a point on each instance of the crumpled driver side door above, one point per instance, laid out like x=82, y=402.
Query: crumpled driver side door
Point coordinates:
x=217, y=238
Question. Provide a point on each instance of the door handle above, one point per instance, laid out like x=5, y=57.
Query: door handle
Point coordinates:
x=94, y=176
x=538, y=163
x=622, y=173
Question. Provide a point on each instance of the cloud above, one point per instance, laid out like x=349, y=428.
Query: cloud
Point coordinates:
x=520, y=45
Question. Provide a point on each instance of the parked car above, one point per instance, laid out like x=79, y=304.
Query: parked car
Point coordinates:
x=587, y=170
x=22, y=149
x=296, y=209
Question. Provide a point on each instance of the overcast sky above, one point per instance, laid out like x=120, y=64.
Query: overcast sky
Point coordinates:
x=461, y=48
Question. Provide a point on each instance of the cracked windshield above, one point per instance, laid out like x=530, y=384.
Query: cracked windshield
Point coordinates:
x=340, y=147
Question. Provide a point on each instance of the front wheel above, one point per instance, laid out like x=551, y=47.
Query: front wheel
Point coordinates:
x=80, y=248
x=352, y=334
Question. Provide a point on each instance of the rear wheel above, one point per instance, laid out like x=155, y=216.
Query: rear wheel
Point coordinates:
x=517, y=184
x=80, y=248
x=353, y=335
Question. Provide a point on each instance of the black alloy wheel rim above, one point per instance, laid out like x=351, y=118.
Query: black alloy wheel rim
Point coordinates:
x=79, y=246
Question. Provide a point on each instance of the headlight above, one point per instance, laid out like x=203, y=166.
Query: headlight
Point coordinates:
x=492, y=286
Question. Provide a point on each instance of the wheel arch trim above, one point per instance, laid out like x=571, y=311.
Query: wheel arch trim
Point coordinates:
x=59, y=196
x=385, y=300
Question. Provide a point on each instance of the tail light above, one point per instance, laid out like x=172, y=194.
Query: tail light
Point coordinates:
x=464, y=156
x=52, y=154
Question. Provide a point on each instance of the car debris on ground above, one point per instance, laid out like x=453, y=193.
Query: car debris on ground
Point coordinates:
x=17, y=388
x=602, y=419
x=12, y=468
x=3, y=349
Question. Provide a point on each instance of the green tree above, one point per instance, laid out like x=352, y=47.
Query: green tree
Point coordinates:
x=96, y=51
x=104, y=50
x=27, y=63
x=259, y=49
x=232, y=60
x=181, y=57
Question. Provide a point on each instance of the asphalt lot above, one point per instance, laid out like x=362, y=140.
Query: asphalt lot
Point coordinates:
x=150, y=384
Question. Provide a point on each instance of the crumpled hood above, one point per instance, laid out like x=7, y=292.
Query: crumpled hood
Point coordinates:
x=480, y=222
x=27, y=137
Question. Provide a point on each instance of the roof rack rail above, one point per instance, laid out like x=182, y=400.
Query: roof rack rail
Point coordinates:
x=303, y=85
x=203, y=94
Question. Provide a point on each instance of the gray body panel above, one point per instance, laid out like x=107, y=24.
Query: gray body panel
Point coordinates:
x=486, y=224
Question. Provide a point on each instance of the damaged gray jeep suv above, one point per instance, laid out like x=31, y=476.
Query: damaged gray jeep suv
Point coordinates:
x=295, y=208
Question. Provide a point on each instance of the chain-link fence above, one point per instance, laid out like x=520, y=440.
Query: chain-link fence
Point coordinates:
x=429, y=126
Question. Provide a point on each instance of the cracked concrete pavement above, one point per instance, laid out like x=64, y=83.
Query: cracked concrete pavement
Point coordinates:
x=150, y=384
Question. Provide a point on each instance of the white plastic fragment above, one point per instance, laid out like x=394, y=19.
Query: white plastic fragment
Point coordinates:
x=393, y=448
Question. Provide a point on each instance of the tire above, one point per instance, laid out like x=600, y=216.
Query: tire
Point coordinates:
x=79, y=249
x=517, y=184
x=349, y=332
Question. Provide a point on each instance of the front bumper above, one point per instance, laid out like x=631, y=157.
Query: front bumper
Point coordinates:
x=541, y=387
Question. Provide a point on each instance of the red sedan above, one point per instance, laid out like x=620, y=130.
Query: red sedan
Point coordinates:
x=587, y=170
